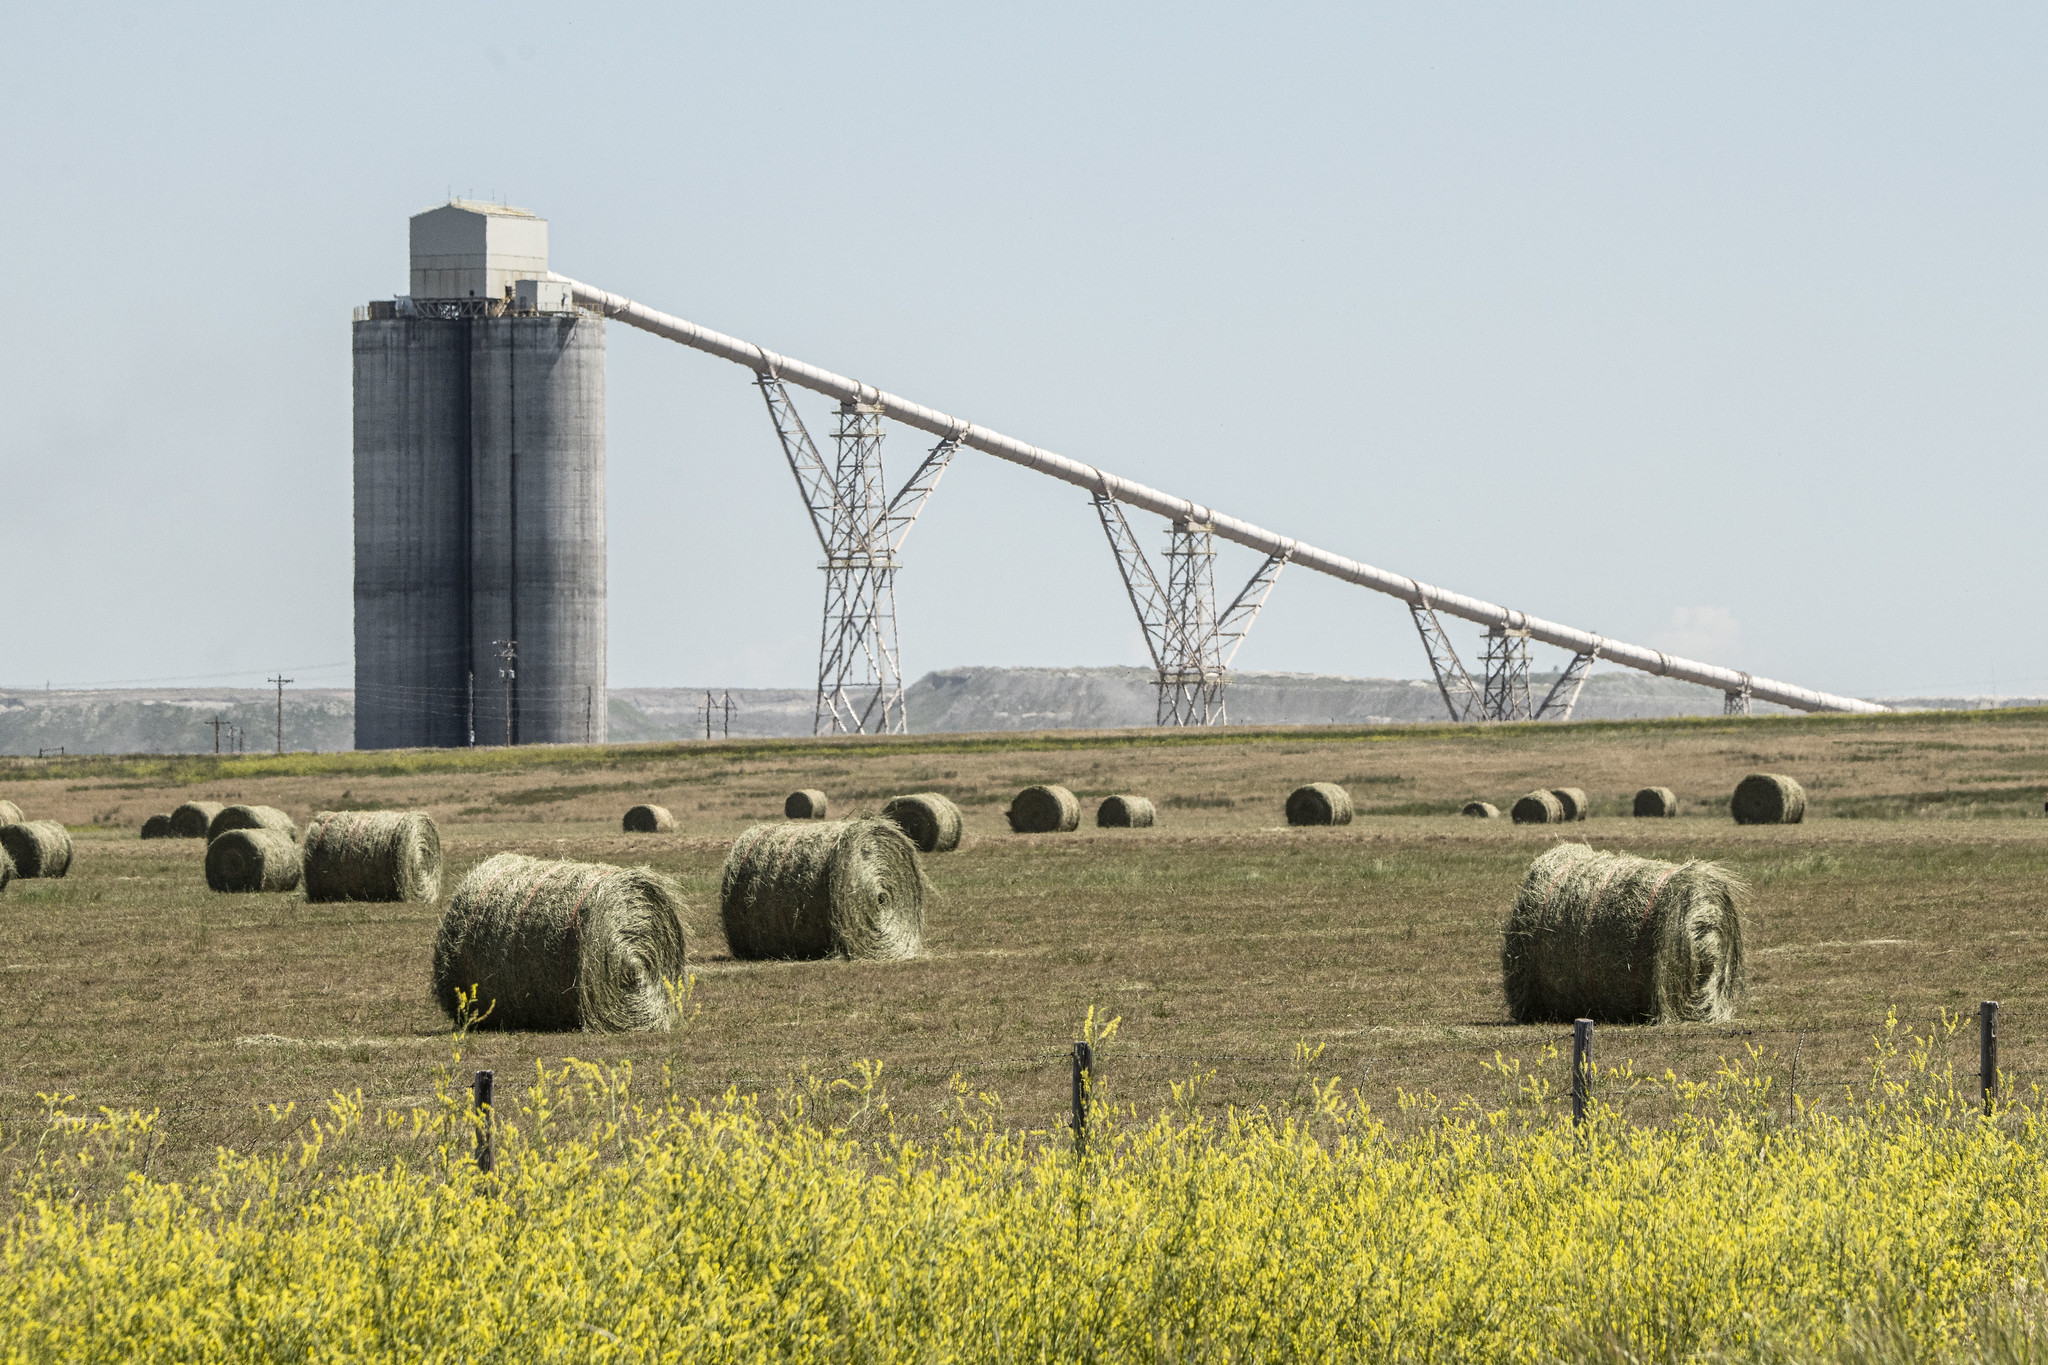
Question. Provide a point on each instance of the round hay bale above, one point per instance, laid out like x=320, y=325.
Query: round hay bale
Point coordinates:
x=1538, y=808
x=370, y=855
x=1656, y=802
x=1613, y=937
x=931, y=821
x=157, y=827
x=561, y=945
x=1573, y=801
x=1044, y=810
x=251, y=817
x=1126, y=812
x=39, y=848
x=252, y=859
x=1481, y=810
x=1319, y=803
x=808, y=803
x=649, y=820
x=194, y=818
x=1768, y=799
x=10, y=814
x=6, y=869
x=846, y=888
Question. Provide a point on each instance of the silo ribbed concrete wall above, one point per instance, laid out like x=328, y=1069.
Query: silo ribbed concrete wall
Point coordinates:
x=412, y=517
x=537, y=537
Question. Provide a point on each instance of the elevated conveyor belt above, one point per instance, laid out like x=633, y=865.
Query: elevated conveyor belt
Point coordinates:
x=1230, y=528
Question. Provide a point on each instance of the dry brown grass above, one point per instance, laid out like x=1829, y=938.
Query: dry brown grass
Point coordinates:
x=1222, y=937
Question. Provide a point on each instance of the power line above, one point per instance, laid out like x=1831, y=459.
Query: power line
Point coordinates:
x=191, y=677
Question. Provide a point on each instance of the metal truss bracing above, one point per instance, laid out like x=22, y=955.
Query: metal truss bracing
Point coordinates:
x=1190, y=643
x=1507, y=675
x=813, y=480
x=1736, y=701
x=910, y=499
x=1148, y=599
x=1505, y=695
x=1564, y=693
x=860, y=675
x=449, y=309
x=1236, y=621
x=1461, y=696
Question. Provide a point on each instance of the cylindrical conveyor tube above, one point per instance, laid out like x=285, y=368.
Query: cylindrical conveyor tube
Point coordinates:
x=1230, y=528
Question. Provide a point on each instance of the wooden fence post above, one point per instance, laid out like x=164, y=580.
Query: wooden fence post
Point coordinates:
x=1582, y=1062
x=1987, y=1051
x=486, y=1160
x=1084, y=1066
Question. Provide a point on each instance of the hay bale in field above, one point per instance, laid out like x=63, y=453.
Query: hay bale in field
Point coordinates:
x=252, y=859
x=1481, y=810
x=931, y=821
x=10, y=814
x=1656, y=803
x=251, y=817
x=1768, y=799
x=194, y=818
x=1538, y=808
x=807, y=803
x=1125, y=812
x=649, y=820
x=846, y=888
x=1614, y=937
x=1319, y=803
x=1573, y=802
x=157, y=827
x=39, y=848
x=6, y=869
x=561, y=945
x=1044, y=810
x=369, y=855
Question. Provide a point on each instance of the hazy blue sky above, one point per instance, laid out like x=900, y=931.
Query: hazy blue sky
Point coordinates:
x=1717, y=328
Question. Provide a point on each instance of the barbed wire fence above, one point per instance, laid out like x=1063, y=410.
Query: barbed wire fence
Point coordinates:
x=1094, y=1074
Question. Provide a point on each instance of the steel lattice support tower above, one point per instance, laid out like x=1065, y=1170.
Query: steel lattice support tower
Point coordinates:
x=860, y=683
x=1507, y=675
x=1190, y=643
x=1191, y=681
x=860, y=675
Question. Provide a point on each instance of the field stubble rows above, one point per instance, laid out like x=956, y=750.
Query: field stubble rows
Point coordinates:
x=1226, y=943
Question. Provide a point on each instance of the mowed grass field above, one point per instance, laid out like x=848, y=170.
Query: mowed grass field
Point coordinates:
x=1224, y=940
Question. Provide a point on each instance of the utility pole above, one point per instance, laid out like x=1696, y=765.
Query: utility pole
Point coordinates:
x=588, y=688
x=508, y=655
x=280, y=680
x=216, y=723
x=729, y=709
x=707, y=715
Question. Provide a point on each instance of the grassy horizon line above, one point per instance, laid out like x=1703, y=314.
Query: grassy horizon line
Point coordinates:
x=189, y=769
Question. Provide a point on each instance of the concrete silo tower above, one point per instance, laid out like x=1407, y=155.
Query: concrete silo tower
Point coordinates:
x=479, y=495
